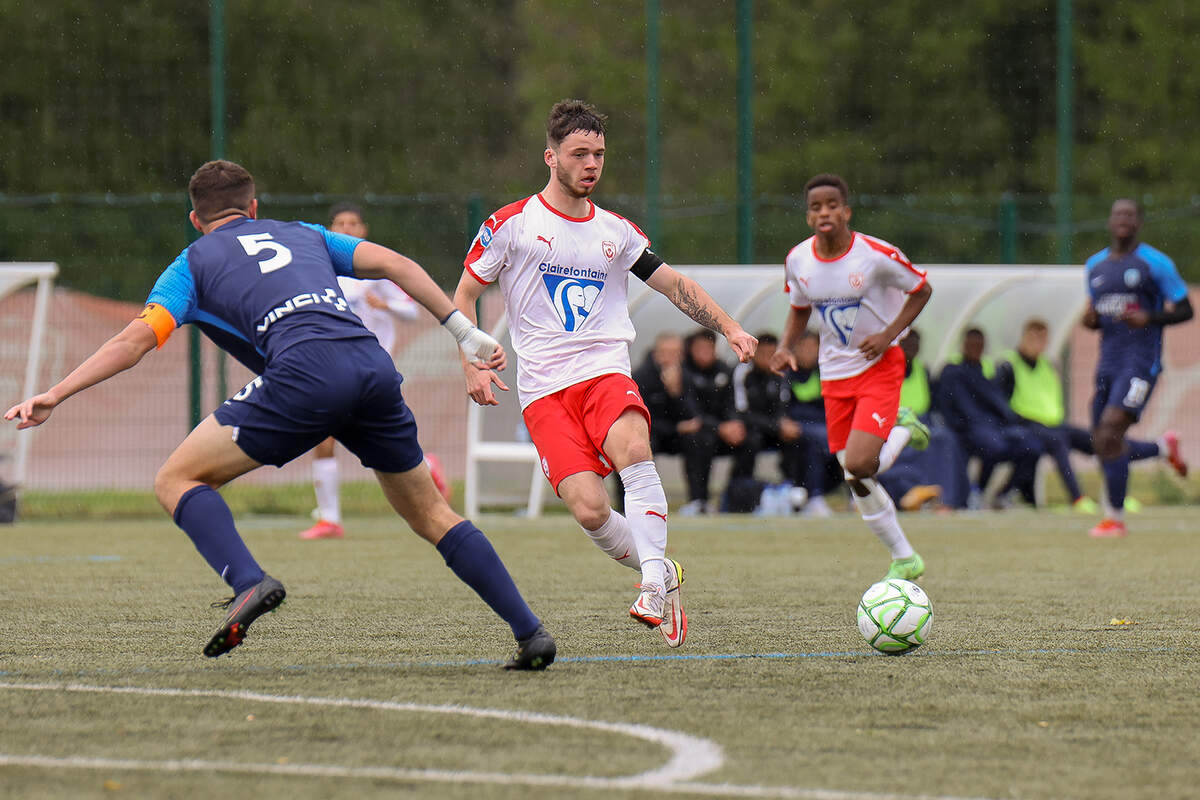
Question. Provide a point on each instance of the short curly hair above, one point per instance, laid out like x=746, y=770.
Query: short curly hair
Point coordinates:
x=568, y=116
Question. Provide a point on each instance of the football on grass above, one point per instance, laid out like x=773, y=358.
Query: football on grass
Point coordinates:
x=895, y=616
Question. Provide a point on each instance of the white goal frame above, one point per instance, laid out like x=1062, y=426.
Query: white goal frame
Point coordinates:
x=997, y=298
x=13, y=276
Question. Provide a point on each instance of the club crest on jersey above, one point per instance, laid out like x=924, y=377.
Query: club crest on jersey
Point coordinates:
x=1132, y=278
x=573, y=298
x=610, y=250
x=856, y=280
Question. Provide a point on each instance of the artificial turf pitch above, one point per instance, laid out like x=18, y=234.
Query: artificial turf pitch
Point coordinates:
x=1025, y=689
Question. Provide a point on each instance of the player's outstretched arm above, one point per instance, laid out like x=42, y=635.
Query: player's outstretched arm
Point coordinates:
x=874, y=345
x=479, y=377
x=376, y=261
x=690, y=298
x=116, y=355
x=793, y=326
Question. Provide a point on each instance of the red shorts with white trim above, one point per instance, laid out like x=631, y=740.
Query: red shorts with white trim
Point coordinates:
x=568, y=427
x=867, y=402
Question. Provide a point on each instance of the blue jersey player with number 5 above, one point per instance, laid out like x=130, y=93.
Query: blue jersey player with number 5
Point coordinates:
x=267, y=292
x=1135, y=291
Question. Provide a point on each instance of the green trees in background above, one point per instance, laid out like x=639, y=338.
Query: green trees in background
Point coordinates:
x=447, y=97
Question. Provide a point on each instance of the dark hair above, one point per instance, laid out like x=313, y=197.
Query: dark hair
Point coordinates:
x=828, y=179
x=703, y=333
x=976, y=332
x=220, y=188
x=1141, y=212
x=345, y=208
x=766, y=337
x=569, y=116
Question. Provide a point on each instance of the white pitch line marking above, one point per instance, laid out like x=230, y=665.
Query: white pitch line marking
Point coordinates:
x=691, y=756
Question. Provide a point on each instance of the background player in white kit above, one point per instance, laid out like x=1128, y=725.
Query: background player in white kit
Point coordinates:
x=379, y=304
x=867, y=293
x=563, y=266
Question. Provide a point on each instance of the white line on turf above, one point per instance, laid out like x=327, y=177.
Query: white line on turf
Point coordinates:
x=690, y=755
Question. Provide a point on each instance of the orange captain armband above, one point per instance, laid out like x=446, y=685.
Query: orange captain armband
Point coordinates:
x=159, y=320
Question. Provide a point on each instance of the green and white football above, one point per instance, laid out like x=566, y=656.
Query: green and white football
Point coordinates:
x=895, y=616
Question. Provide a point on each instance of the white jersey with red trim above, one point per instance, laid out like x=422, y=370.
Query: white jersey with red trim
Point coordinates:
x=856, y=295
x=565, y=285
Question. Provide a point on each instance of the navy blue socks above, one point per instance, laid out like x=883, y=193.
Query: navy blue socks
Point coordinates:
x=1116, y=480
x=206, y=519
x=471, y=557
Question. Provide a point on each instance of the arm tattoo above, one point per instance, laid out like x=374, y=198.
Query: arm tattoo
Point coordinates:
x=687, y=302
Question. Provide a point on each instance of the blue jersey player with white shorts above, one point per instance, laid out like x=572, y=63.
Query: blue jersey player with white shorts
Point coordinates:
x=267, y=292
x=1135, y=291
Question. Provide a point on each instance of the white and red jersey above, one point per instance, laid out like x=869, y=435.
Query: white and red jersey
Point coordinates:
x=856, y=295
x=379, y=321
x=565, y=285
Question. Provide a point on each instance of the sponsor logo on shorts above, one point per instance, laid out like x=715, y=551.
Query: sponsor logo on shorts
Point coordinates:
x=545, y=467
x=880, y=421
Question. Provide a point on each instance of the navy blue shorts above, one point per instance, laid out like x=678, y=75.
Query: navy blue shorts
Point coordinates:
x=346, y=388
x=1128, y=389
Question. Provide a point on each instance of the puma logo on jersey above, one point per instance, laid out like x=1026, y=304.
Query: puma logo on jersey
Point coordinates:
x=880, y=421
x=549, y=242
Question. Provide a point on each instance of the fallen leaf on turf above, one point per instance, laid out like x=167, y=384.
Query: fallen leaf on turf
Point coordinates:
x=111, y=786
x=249, y=718
x=1043, y=724
x=1115, y=621
x=281, y=760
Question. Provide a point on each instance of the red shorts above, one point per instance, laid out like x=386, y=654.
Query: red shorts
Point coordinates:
x=569, y=427
x=867, y=402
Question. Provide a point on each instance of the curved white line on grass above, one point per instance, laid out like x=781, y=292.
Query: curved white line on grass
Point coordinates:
x=690, y=756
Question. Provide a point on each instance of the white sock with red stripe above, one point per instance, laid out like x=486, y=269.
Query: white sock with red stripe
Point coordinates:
x=646, y=513
x=615, y=538
x=896, y=442
x=325, y=484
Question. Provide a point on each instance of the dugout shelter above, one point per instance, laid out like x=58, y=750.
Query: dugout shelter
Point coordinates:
x=502, y=466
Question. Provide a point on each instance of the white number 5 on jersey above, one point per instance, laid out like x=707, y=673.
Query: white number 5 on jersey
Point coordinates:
x=255, y=243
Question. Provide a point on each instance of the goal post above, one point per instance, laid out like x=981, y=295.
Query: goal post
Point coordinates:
x=14, y=276
x=502, y=466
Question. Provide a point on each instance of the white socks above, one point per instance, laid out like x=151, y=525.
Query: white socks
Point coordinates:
x=325, y=483
x=615, y=538
x=877, y=508
x=896, y=442
x=646, y=514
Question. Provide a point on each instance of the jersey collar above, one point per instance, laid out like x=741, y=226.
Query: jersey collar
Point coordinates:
x=591, y=210
x=817, y=256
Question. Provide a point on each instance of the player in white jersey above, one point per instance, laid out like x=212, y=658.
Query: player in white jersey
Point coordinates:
x=379, y=304
x=563, y=267
x=866, y=293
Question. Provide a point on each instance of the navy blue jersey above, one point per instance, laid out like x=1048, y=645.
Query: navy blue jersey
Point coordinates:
x=256, y=287
x=1144, y=279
